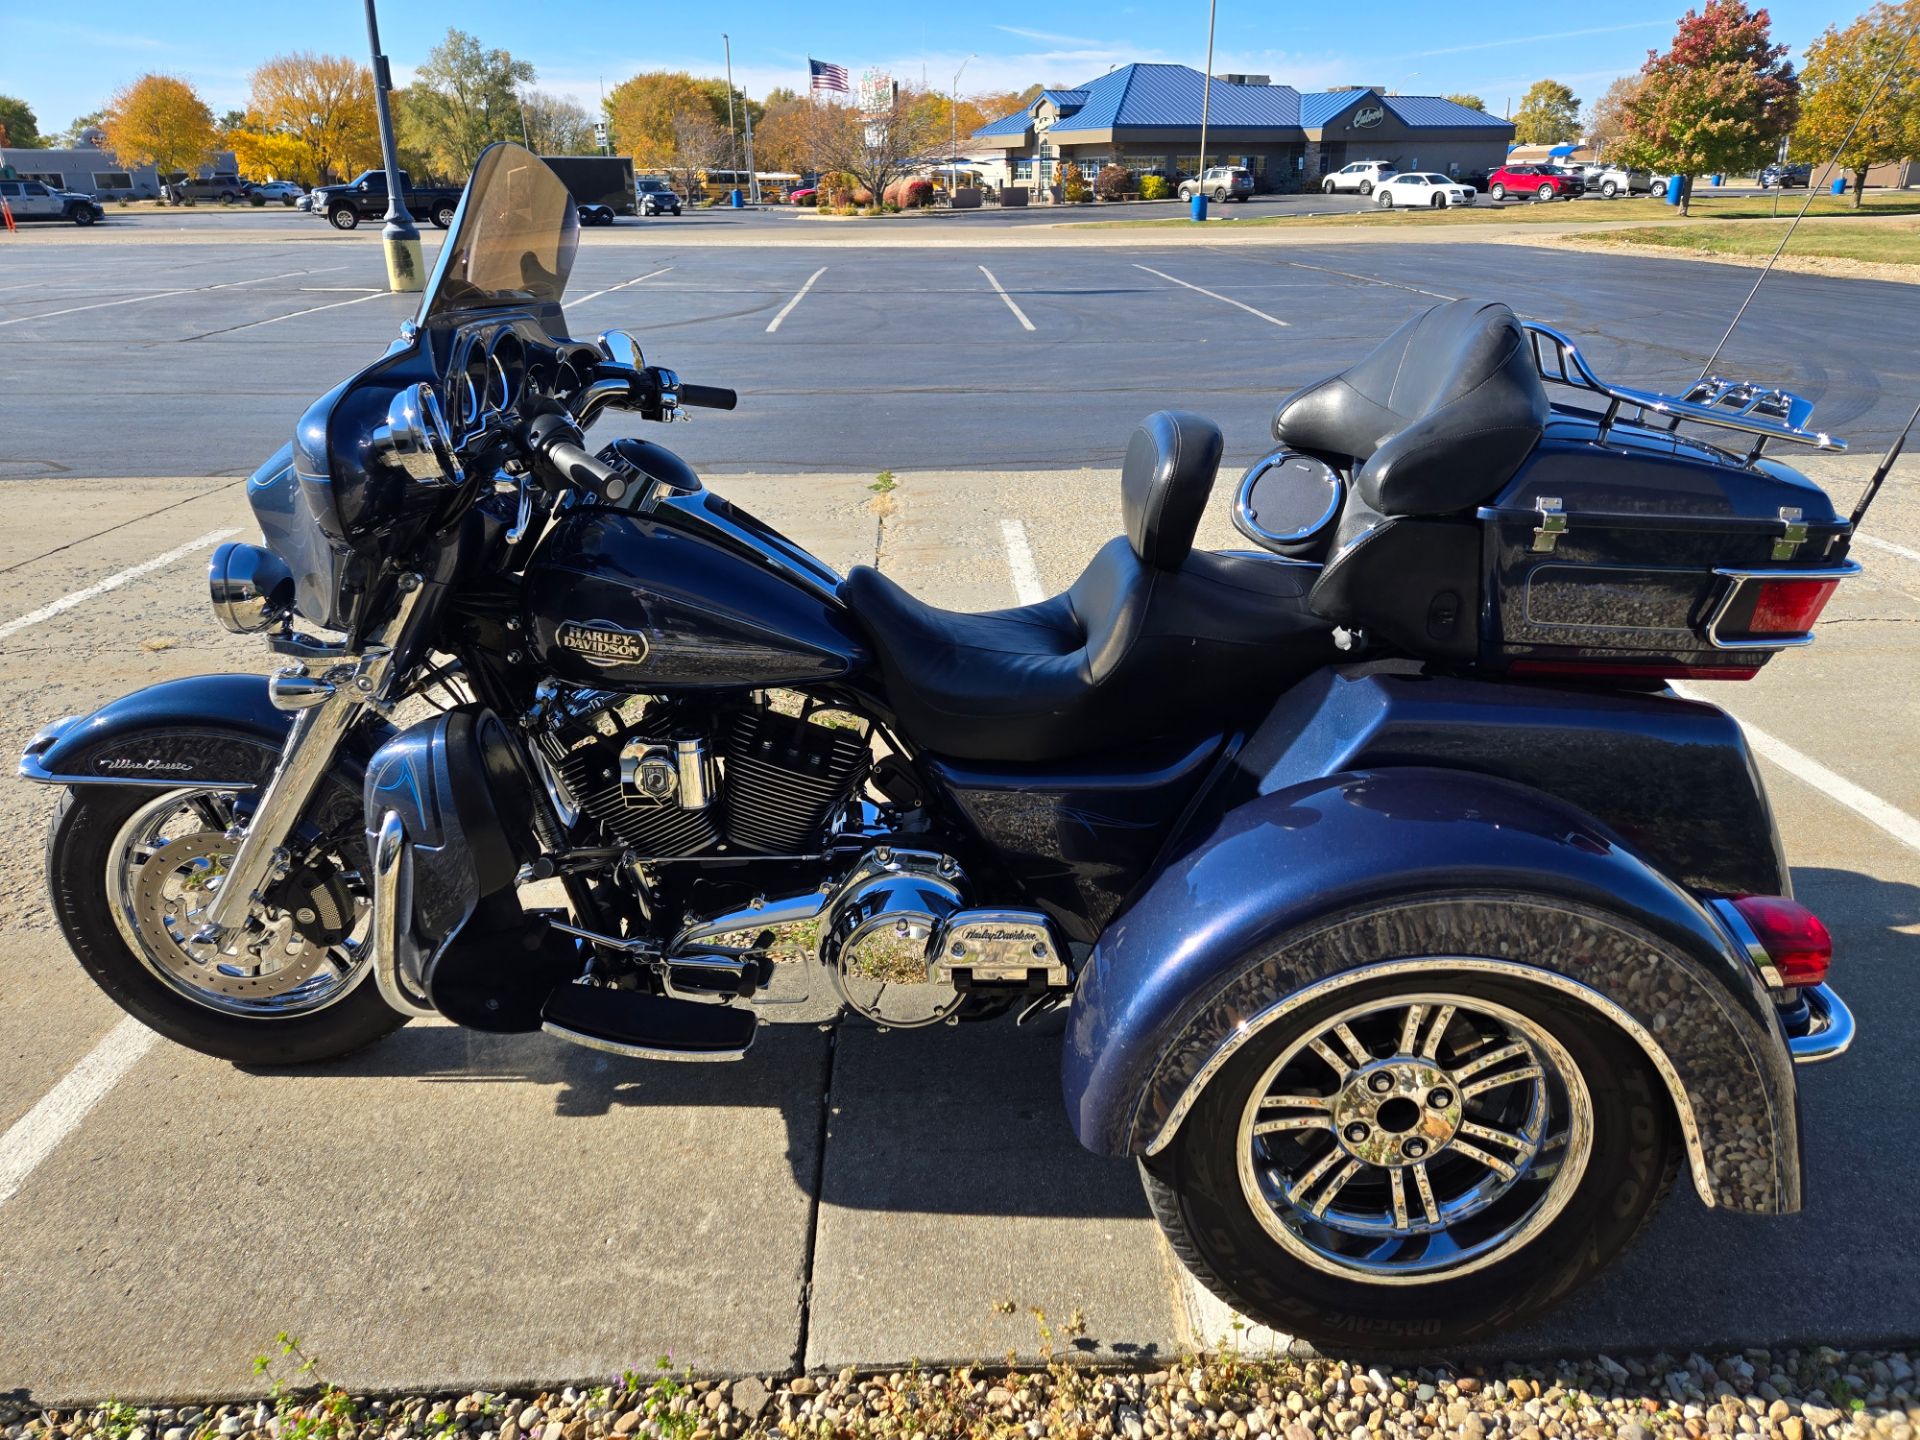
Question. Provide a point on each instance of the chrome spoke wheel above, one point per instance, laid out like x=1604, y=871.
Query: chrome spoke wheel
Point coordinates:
x=303, y=948
x=1415, y=1139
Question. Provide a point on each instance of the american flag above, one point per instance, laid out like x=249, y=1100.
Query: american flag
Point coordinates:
x=827, y=76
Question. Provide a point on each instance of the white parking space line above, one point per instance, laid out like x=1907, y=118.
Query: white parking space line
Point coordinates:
x=36, y=1135
x=295, y=315
x=114, y=582
x=621, y=286
x=1864, y=803
x=1027, y=588
x=787, y=309
x=162, y=295
x=1213, y=295
x=1018, y=313
x=1368, y=279
x=1887, y=545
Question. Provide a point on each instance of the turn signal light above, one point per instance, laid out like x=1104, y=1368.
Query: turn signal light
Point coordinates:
x=1792, y=935
x=1789, y=607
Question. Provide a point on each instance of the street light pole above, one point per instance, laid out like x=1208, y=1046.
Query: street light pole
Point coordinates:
x=733, y=137
x=1206, y=96
x=953, y=141
x=405, y=270
x=1410, y=75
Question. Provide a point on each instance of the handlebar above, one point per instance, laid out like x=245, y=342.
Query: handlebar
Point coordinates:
x=708, y=397
x=556, y=444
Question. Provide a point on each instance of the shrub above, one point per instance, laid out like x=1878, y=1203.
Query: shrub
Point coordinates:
x=1073, y=184
x=1113, y=182
x=1153, y=187
x=908, y=194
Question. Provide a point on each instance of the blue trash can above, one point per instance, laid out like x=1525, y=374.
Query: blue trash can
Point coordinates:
x=734, y=200
x=1199, y=206
x=1672, y=193
x=1840, y=185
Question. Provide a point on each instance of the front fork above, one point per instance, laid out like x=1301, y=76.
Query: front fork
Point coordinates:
x=326, y=708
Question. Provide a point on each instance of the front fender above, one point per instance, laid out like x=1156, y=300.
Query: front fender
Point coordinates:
x=157, y=737
x=1214, y=943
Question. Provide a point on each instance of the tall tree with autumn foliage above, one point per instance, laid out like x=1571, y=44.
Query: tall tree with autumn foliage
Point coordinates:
x=1842, y=70
x=1549, y=114
x=159, y=120
x=1606, y=118
x=1720, y=100
x=309, y=118
x=643, y=111
x=462, y=100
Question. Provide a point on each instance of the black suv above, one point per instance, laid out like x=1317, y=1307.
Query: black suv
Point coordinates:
x=656, y=197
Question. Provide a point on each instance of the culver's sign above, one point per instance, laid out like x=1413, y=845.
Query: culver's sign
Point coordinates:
x=1368, y=116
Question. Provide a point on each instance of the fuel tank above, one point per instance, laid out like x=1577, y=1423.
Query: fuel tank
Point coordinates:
x=690, y=596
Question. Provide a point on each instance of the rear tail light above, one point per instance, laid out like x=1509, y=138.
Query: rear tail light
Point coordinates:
x=1789, y=607
x=1796, y=943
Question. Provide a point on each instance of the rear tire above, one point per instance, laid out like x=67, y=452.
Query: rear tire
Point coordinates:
x=81, y=844
x=1366, y=187
x=343, y=218
x=1220, y=1191
x=1497, y=193
x=443, y=216
x=1545, y=192
x=83, y=216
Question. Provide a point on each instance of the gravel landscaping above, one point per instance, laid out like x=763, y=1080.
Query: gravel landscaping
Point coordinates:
x=1816, y=1394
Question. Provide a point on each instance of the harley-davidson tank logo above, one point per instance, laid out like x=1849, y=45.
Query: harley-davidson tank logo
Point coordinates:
x=603, y=644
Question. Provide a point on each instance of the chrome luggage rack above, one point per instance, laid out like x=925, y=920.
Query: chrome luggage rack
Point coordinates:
x=1756, y=410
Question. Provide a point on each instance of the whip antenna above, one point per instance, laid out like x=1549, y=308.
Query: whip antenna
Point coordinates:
x=1899, y=56
x=1880, y=475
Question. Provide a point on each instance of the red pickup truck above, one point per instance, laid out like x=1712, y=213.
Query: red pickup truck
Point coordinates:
x=1540, y=182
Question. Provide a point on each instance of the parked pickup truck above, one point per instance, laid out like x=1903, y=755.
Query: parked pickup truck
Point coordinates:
x=365, y=198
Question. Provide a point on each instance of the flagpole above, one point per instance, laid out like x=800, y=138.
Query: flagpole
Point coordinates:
x=1206, y=95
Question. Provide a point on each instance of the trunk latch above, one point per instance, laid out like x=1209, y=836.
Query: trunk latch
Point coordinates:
x=1553, y=523
x=1793, y=533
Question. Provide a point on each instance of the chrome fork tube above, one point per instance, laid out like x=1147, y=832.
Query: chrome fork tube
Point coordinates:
x=326, y=709
x=262, y=856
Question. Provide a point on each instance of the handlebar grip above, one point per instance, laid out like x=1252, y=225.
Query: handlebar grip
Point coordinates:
x=584, y=472
x=708, y=397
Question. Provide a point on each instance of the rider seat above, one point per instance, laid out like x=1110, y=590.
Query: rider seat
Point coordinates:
x=1155, y=638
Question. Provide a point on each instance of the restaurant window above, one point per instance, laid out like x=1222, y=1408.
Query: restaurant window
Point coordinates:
x=112, y=180
x=1023, y=170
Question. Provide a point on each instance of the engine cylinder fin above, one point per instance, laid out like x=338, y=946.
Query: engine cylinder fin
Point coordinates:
x=784, y=778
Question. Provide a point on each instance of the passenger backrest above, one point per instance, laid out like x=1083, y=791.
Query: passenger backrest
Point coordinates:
x=1438, y=417
x=1164, y=484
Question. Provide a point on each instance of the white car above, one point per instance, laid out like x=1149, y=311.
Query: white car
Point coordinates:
x=1422, y=190
x=285, y=191
x=1361, y=177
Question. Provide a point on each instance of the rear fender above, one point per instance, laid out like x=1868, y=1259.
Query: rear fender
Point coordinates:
x=1219, y=945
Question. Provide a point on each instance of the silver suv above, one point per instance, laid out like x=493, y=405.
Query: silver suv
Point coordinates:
x=1220, y=182
x=1358, y=178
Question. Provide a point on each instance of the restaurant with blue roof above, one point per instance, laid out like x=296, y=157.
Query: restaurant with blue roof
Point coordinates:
x=1146, y=117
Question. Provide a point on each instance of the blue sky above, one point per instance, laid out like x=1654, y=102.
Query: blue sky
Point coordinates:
x=64, y=60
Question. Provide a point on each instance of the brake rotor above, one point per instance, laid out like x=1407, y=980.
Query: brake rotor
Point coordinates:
x=270, y=957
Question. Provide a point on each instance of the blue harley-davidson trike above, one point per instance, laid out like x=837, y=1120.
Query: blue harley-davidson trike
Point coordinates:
x=1405, y=924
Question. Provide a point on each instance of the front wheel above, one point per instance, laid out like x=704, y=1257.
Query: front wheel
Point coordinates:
x=1545, y=192
x=1497, y=193
x=1366, y=187
x=1326, y=187
x=1609, y=190
x=83, y=215
x=1385, y=200
x=131, y=873
x=344, y=218
x=1439, y=202
x=1418, y=1160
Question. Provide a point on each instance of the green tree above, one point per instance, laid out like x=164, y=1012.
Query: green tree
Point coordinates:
x=462, y=100
x=1720, y=100
x=19, y=126
x=1842, y=69
x=75, y=134
x=1549, y=114
x=1472, y=102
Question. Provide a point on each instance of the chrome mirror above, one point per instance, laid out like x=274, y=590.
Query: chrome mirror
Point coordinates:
x=416, y=438
x=621, y=349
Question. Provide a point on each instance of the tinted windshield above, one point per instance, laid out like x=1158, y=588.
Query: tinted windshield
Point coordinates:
x=514, y=240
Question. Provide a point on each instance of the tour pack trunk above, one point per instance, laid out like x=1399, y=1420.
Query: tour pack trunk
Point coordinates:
x=1627, y=549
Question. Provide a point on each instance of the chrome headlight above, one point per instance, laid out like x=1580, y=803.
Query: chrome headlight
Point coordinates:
x=252, y=588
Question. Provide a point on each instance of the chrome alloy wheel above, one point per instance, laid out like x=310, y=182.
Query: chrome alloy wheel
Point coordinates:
x=302, y=951
x=1414, y=1139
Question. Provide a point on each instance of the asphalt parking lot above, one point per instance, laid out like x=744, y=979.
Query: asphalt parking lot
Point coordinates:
x=450, y=1209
